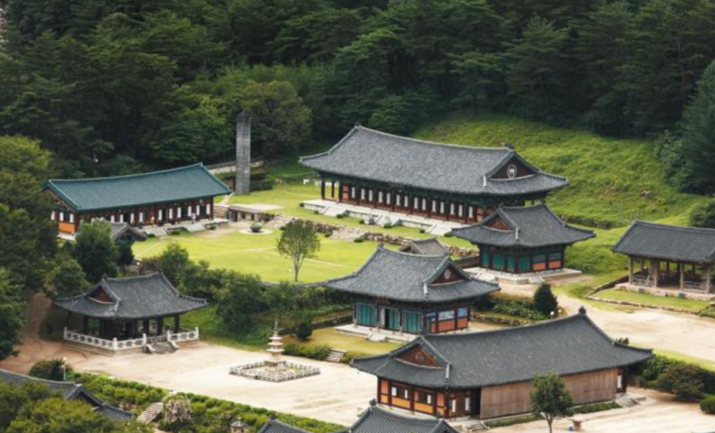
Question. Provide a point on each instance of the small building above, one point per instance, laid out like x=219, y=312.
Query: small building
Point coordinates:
x=69, y=391
x=669, y=257
x=375, y=420
x=433, y=180
x=123, y=232
x=129, y=313
x=488, y=374
x=160, y=197
x=522, y=239
x=411, y=293
x=428, y=247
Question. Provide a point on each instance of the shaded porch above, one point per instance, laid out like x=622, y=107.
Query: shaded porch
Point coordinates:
x=674, y=275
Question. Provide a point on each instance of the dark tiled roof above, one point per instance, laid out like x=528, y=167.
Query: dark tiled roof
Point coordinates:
x=275, y=426
x=535, y=226
x=377, y=420
x=409, y=277
x=564, y=346
x=660, y=241
x=68, y=391
x=368, y=154
x=133, y=298
x=429, y=247
x=121, y=229
x=183, y=183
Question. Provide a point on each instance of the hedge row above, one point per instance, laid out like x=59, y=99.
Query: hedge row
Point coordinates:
x=210, y=415
x=656, y=366
x=319, y=352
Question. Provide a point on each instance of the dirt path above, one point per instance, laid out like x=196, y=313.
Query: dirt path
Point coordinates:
x=34, y=348
x=686, y=334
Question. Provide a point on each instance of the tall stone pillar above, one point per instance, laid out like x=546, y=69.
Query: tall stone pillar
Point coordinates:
x=243, y=154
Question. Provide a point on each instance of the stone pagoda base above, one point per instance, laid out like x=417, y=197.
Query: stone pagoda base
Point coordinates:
x=262, y=371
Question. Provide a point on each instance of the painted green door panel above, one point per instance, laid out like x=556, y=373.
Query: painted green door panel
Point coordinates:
x=365, y=314
x=412, y=322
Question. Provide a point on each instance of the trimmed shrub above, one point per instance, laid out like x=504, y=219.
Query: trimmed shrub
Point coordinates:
x=304, y=329
x=708, y=405
x=319, y=352
x=683, y=380
x=544, y=300
x=50, y=369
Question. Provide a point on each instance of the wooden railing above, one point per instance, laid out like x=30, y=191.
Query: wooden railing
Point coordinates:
x=119, y=345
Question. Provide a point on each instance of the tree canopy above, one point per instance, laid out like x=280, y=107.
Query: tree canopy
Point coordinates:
x=95, y=251
x=298, y=241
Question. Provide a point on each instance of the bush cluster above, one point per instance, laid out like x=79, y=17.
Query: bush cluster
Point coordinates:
x=319, y=352
x=517, y=308
x=708, y=405
x=119, y=392
x=686, y=381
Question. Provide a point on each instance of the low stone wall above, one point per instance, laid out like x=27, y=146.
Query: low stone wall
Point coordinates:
x=639, y=305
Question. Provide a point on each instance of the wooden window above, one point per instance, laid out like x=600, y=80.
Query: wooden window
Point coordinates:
x=434, y=206
x=453, y=405
x=370, y=195
x=461, y=210
x=467, y=404
x=424, y=204
x=362, y=193
x=471, y=212
x=198, y=210
x=463, y=312
x=441, y=207
x=208, y=209
x=398, y=200
x=388, y=198
x=52, y=215
x=141, y=216
x=178, y=212
x=416, y=203
x=188, y=211
x=171, y=214
x=71, y=217
x=446, y=315
x=111, y=218
x=131, y=218
x=451, y=208
x=379, y=196
x=352, y=192
x=424, y=397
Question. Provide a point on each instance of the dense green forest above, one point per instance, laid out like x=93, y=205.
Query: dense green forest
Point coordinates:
x=123, y=85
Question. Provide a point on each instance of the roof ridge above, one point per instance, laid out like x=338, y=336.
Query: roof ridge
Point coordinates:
x=674, y=227
x=332, y=149
x=39, y=379
x=543, y=323
x=127, y=176
x=420, y=141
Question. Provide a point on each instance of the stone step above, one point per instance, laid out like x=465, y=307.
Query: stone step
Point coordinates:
x=336, y=355
x=474, y=426
x=349, y=234
x=151, y=413
x=627, y=401
x=161, y=348
x=278, y=222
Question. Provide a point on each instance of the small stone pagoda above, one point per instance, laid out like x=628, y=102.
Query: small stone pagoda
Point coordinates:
x=275, y=369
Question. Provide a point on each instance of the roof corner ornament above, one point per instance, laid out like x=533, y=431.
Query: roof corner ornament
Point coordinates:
x=424, y=289
x=484, y=181
x=516, y=233
x=582, y=310
x=373, y=403
x=357, y=124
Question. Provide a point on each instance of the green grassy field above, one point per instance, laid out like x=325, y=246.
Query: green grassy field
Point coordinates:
x=256, y=254
x=328, y=337
x=660, y=301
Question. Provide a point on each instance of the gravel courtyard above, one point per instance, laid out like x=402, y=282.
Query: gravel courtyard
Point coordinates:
x=335, y=395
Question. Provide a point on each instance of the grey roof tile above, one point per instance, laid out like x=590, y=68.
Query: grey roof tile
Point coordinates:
x=661, y=241
x=176, y=184
x=535, y=226
x=139, y=297
x=275, y=426
x=377, y=420
x=429, y=247
x=368, y=154
x=409, y=277
x=564, y=346
x=119, y=230
x=68, y=391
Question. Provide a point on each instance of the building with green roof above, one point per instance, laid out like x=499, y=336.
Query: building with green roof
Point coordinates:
x=159, y=197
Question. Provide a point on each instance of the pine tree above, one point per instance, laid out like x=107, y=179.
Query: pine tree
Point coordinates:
x=699, y=135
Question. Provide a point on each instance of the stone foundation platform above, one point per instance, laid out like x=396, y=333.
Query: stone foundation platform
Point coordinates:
x=528, y=278
x=258, y=371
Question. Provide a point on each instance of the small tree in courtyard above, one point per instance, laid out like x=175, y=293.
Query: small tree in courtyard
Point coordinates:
x=299, y=241
x=95, y=251
x=125, y=254
x=550, y=399
x=682, y=380
x=544, y=300
x=68, y=279
x=50, y=369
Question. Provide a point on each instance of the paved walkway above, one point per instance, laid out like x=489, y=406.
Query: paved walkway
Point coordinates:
x=686, y=334
x=335, y=395
x=658, y=414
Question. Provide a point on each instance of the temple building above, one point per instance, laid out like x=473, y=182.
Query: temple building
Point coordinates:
x=68, y=391
x=375, y=420
x=488, y=374
x=433, y=180
x=168, y=196
x=669, y=257
x=129, y=313
x=411, y=293
x=522, y=239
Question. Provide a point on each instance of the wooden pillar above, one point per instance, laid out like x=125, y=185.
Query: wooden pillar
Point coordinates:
x=681, y=271
x=332, y=189
x=412, y=398
x=630, y=269
x=322, y=189
x=160, y=326
x=177, y=323
x=708, y=272
x=654, y=271
x=85, y=325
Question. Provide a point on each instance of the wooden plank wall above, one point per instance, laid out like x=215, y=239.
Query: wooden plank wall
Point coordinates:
x=514, y=398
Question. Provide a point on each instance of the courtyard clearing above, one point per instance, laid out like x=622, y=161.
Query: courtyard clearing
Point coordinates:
x=335, y=395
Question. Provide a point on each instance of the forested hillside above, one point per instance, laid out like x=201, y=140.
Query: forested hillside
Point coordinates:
x=123, y=85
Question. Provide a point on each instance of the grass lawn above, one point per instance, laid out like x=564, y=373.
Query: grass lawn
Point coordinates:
x=648, y=299
x=256, y=254
x=612, y=181
x=328, y=337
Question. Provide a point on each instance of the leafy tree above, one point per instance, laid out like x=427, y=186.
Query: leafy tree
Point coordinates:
x=550, y=399
x=305, y=328
x=544, y=300
x=125, y=254
x=27, y=235
x=177, y=412
x=14, y=398
x=95, y=251
x=703, y=215
x=281, y=123
x=12, y=314
x=708, y=405
x=68, y=279
x=699, y=134
x=173, y=261
x=538, y=69
x=50, y=369
x=683, y=380
x=299, y=241
x=240, y=297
